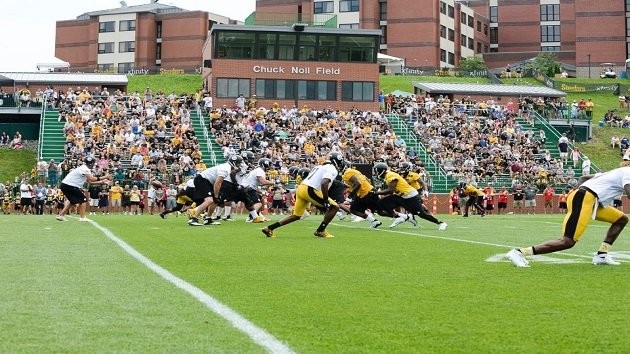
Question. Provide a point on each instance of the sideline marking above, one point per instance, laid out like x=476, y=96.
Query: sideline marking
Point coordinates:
x=257, y=334
x=460, y=240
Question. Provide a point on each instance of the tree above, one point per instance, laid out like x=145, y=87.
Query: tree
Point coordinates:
x=472, y=63
x=547, y=63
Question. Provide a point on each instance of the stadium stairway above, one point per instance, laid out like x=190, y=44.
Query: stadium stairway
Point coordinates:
x=211, y=152
x=51, y=137
x=441, y=183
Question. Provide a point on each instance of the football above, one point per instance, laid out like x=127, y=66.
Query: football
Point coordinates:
x=156, y=184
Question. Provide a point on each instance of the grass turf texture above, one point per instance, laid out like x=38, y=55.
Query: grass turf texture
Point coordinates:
x=14, y=162
x=69, y=288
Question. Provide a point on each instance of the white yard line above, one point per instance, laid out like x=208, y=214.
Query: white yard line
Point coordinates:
x=257, y=334
x=417, y=234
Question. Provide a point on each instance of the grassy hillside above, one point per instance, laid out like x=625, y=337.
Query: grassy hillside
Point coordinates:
x=14, y=162
x=188, y=83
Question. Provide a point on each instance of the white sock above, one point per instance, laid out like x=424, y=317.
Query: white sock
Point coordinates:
x=217, y=212
x=227, y=211
x=370, y=216
x=253, y=214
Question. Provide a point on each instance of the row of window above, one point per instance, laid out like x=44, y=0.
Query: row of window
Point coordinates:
x=327, y=7
x=297, y=89
x=123, y=47
x=295, y=46
x=550, y=12
x=122, y=67
x=110, y=26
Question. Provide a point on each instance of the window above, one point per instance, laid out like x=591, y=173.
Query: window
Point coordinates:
x=462, y=18
x=348, y=5
x=494, y=14
x=327, y=46
x=105, y=47
x=442, y=31
x=471, y=43
x=494, y=35
x=442, y=7
x=235, y=45
x=105, y=67
x=478, y=26
x=549, y=34
x=158, y=29
x=383, y=35
x=323, y=7
x=471, y=21
x=451, y=11
x=550, y=48
x=126, y=47
x=275, y=89
x=451, y=35
x=443, y=55
x=357, y=48
x=485, y=29
x=463, y=39
x=306, y=48
x=485, y=48
x=357, y=91
x=109, y=26
x=286, y=46
x=478, y=47
x=550, y=12
x=158, y=51
x=231, y=88
x=266, y=45
x=494, y=50
x=127, y=25
x=382, y=7
x=451, y=58
x=349, y=25
x=125, y=67
x=628, y=26
x=313, y=90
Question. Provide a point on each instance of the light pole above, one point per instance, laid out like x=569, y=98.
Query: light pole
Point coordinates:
x=589, y=65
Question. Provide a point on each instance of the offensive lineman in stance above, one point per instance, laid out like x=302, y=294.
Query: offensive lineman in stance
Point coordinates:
x=314, y=190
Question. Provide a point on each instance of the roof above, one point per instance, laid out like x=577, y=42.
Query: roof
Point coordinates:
x=307, y=29
x=74, y=78
x=152, y=7
x=489, y=89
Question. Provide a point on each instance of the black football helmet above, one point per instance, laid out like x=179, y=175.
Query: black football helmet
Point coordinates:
x=248, y=156
x=461, y=185
x=405, y=167
x=235, y=161
x=336, y=159
x=265, y=163
x=293, y=171
x=303, y=172
x=89, y=161
x=379, y=169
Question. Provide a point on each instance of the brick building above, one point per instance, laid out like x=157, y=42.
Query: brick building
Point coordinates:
x=145, y=38
x=434, y=33
x=426, y=33
x=583, y=33
x=293, y=66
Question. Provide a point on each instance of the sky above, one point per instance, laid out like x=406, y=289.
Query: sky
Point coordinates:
x=28, y=26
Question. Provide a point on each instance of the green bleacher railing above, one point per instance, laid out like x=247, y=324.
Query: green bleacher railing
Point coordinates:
x=40, y=142
x=549, y=129
x=209, y=151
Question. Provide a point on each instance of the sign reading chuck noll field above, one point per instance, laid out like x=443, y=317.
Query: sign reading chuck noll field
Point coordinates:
x=303, y=70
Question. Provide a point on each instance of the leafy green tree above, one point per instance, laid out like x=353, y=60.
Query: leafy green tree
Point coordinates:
x=472, y=63
x=546, y=62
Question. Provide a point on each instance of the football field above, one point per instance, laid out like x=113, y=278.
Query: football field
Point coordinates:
x=142, y=284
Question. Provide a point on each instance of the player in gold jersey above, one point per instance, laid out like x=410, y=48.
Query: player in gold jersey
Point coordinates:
x=475, y=198
x=362, y=199
x=400, y=194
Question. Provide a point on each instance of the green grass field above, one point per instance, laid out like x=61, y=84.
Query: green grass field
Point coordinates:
x=14, y=162
x=68, y=287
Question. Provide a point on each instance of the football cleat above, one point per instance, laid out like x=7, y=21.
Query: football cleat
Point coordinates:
x=442, y=226
x=604, y=259
x=323, y=234
x=269, y=233
x=376, y=224
x=517, y=258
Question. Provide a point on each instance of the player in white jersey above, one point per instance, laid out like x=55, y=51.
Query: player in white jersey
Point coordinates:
x=208, y=187
x=248, y=189
x=226, y=209
x=593, y=199
x=314, y=190
x=72, y=185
